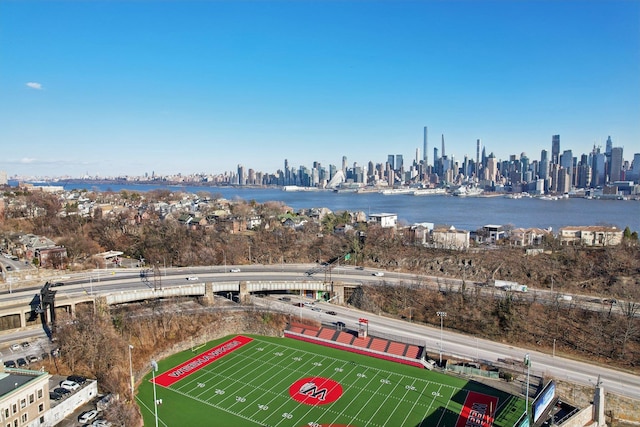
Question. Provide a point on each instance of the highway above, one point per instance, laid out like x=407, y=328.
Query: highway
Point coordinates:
x=102, y=282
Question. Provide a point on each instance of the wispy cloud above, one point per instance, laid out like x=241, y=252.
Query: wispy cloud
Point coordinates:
x=34, y=85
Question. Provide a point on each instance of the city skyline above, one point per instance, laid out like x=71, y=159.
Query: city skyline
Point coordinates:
x=128, y=88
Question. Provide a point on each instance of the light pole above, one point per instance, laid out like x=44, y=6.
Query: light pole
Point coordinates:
x=154, y=368
x=527, y=362
x=441, y=315
x=131, y=369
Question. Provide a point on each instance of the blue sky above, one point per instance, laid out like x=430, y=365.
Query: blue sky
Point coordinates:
x=131, y=87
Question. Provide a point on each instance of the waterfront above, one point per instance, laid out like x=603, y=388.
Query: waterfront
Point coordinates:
x=467, y=213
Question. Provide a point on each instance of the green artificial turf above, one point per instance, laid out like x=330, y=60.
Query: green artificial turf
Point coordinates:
x=249, y=386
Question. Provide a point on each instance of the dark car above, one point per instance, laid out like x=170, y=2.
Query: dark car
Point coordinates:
x=61, y=391
x=333, y=313
x=22, y=362
x=77, y=378
x=340, y=324
x=54, y=396
x=9, y=364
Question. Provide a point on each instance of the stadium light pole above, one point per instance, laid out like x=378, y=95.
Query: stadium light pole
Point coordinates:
x=131, y=370
x=441, y=315
x=527, y=362
x=154, y=368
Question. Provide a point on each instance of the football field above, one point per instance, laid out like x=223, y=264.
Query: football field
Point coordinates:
x=265, y=381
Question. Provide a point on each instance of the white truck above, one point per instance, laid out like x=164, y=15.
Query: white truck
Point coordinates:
x=506, y=285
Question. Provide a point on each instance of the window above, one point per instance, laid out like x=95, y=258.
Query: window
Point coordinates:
x=41, y=420
x=41, y=407
x=23, y=403
x=32, y=398
x=6, y=412
x=15, y=408
x=40, y=394
x=23, y=418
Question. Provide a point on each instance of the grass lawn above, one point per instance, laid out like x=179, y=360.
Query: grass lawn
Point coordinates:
x=266, y=381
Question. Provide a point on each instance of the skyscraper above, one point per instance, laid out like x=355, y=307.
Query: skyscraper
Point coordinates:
x=544, y=165
x=615, y=169
x=608, y=147
x=555, y=149
x=443, y=152
x=425, y=147
x=399, y=162
x=478, y=144
x=391, y=160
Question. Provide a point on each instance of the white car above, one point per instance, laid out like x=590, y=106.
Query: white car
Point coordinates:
x=378, y=273
x=70, y=385
x=235, y=270
x=192, y=278
x=100, y=423
x=88, y=416
x=15, y=347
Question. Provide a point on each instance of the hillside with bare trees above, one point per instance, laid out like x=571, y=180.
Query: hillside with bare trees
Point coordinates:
x=147, y=227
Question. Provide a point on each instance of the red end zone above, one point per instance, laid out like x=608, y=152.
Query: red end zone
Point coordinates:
x=477, y=411
x=200, y=361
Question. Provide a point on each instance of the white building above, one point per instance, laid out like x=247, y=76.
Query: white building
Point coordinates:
x=385, y=220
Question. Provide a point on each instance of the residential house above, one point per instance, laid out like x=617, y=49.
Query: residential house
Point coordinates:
x=420, y=233
x=450, y=238
x=384, y=220
x=490, y=234
x=594, y=235
x=526, y=237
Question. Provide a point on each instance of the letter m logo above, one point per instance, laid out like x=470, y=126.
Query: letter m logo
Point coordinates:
x=310, y=389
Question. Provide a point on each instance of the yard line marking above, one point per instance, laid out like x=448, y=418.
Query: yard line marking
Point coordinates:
x=372, y=378
x=381, y=406
x=415, y=402
x=232, y=369
x=433, y=400
x=444, y=410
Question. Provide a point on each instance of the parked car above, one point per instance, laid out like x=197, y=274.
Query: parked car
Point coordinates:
x=25, y=345
x=235, y=270
x=32, y=358
x=15, y=347
x=61, y=391
x=9, y=364
x=88, y=416
x=70, y=385
x=100, y=423
x=55, y=396
x=22, y=362
x=77, y=379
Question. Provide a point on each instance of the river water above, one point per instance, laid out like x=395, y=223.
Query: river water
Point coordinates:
x=466, y=213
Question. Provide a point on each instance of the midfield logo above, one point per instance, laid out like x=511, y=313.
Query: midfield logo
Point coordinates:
x=311, y=390
x=315, y=391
